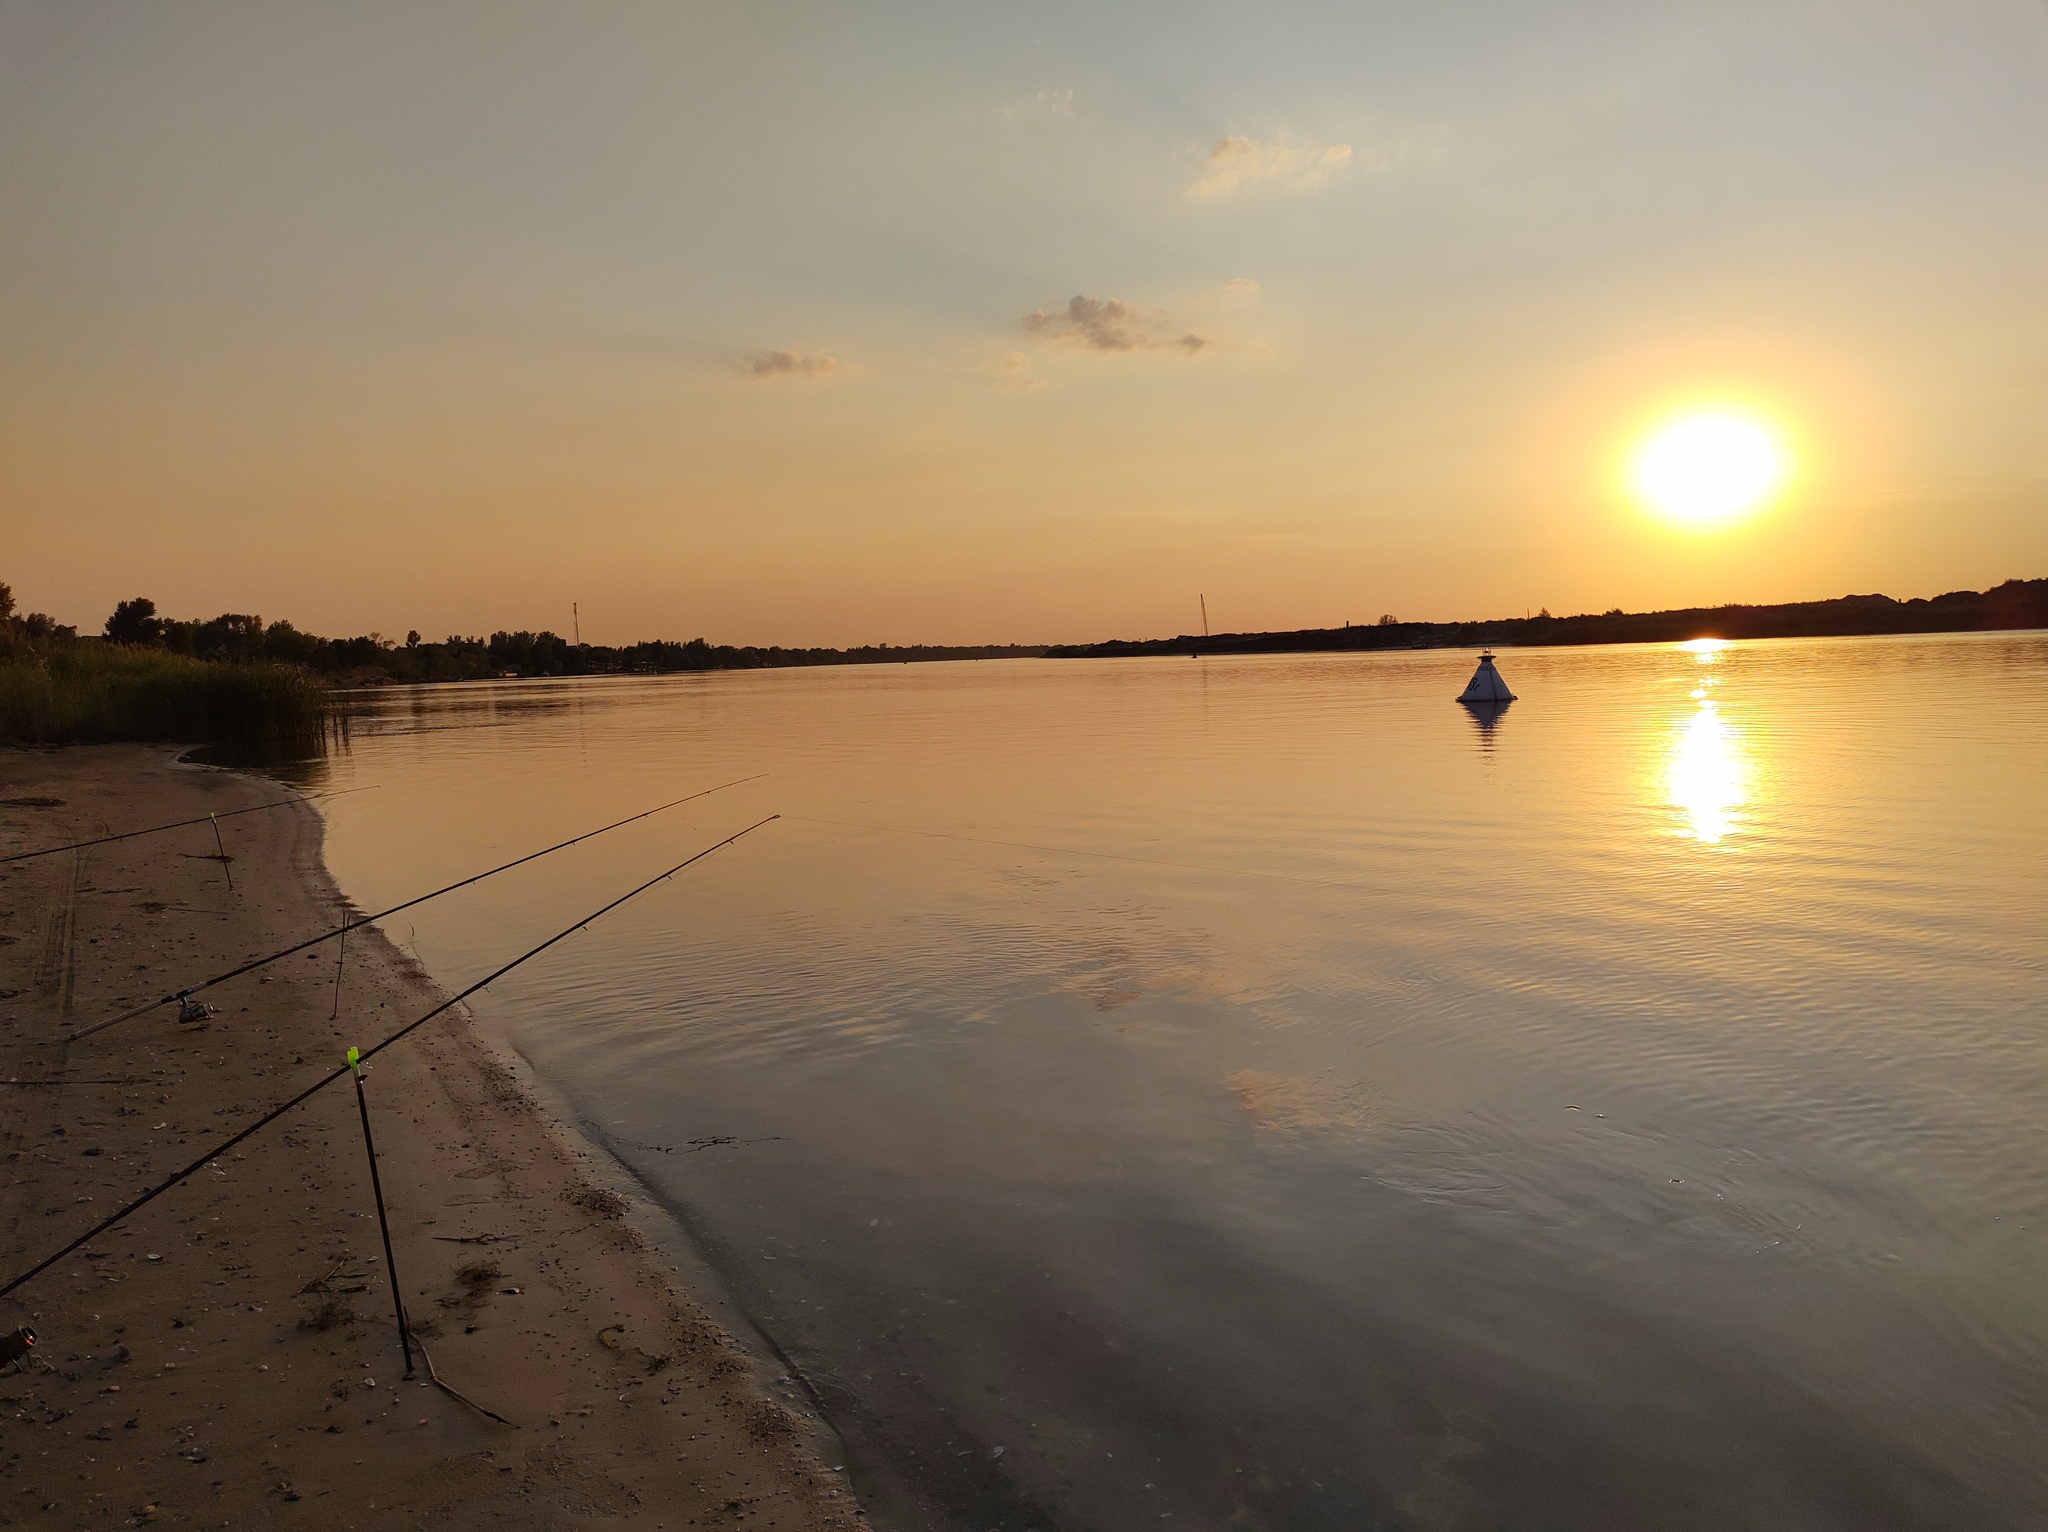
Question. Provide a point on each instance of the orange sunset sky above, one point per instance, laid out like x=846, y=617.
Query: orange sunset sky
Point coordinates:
x=795, y=323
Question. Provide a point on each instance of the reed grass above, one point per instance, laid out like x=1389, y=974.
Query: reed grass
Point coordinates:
x=88, y=691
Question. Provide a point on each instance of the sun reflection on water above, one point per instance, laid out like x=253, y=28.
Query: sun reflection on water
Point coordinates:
x=1707, y=776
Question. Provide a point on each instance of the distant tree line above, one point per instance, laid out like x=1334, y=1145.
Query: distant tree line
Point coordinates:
x=241, y=638
x=2015, y=604
x=34, y=627
x=371, y=659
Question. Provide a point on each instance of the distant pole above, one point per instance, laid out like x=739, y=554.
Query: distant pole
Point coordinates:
x=576, y=621
x=355, y=1063
x=1205, y=614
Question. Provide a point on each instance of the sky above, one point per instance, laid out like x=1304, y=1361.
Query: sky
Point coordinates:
x=827, y=324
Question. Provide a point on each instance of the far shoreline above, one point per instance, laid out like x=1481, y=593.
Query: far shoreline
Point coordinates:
x=2015, y=606
x=1206, y=649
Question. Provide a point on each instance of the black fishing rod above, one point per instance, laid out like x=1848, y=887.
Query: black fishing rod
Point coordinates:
x=368, y=1053
x=23, y=856
x=183, y=995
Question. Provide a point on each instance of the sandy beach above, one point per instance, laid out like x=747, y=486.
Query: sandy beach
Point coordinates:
x=228, y=1356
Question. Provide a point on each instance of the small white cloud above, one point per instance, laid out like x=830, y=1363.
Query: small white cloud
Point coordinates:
x=1237, y=293
x=1109, y=324
x=766, y=366
x=1237, y=162
x=1016, y=373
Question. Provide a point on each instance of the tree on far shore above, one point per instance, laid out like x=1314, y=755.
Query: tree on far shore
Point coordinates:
x=134, y=622
x=32, y=625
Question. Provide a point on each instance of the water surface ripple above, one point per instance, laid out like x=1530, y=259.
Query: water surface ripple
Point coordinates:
x=1258, y=1093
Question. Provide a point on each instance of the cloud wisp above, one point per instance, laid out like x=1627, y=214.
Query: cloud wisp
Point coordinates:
x=1236, y=293
x=1109, y=324
x=1237, y=163
x=1046, y=103
x=798, y=362
x=1015, y=372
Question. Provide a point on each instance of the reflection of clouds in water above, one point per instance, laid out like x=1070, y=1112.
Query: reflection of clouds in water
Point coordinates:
x=1280, y=1103
x=1707, y=773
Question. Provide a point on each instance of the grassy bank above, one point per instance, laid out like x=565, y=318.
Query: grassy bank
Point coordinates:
x=88, y=691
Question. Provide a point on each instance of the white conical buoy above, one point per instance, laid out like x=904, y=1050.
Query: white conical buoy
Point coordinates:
x=1486, y=684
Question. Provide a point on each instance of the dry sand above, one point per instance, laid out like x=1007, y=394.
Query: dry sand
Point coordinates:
x=227, y=1357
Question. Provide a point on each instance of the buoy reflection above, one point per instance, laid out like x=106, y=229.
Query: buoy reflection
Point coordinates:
x=1708, y=772
x=1485, y=717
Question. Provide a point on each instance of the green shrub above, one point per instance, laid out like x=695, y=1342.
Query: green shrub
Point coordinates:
x=89, y=691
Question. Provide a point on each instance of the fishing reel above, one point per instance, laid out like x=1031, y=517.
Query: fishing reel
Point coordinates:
x=15, y=1345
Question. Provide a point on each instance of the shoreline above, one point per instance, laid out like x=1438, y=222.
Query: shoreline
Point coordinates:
x=2013, y=607
x=228, y=1356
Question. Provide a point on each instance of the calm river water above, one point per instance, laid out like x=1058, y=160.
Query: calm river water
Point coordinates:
x=1251, y=1093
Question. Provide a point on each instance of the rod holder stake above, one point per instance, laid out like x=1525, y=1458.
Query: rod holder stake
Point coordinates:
x=355, y=1064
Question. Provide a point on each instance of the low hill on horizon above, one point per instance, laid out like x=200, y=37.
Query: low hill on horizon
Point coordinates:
x=2014, y=604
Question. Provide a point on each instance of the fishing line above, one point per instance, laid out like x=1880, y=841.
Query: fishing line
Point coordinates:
x=326, y=1080
x=1105, y=856
x=23, y=856
x=183, y=995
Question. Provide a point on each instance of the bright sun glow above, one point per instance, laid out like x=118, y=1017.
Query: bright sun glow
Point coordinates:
x=1707, y=469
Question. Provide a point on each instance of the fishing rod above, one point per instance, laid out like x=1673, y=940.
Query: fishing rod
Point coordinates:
x=23, y=856
x=183, y=995
x=368, y=1053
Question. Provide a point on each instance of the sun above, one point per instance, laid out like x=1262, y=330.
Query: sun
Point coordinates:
x=1706, y=469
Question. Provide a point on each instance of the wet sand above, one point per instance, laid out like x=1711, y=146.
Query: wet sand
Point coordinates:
x=228, y=1357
